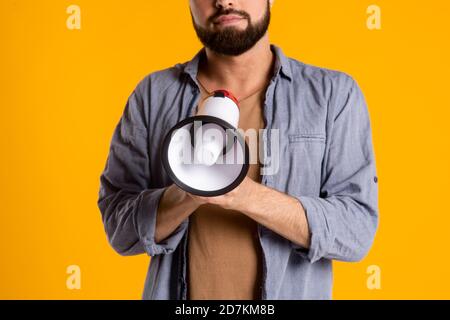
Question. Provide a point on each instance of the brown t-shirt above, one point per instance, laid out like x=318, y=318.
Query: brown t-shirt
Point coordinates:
x=224, y=253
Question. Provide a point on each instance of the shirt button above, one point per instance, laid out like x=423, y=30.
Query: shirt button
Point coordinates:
x=375, y=179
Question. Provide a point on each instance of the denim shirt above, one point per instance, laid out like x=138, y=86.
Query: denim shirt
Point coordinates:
x=326, y=162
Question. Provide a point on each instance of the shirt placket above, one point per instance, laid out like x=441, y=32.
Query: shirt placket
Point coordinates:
x=266, y=179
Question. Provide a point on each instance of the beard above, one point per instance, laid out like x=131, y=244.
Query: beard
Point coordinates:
x=231, y=41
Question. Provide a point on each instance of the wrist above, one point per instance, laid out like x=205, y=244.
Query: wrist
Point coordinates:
x=174, y=196
x=187, y=201
x=249, y=197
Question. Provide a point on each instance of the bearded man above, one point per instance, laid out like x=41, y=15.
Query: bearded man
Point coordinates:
x=275, y=235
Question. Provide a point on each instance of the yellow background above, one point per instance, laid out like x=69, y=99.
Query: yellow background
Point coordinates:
x=63, y=91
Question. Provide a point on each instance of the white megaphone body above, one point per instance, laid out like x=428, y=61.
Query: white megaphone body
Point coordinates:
x=205, y=154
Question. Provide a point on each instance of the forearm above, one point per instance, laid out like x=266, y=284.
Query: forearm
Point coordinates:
x=175, y=206
x=279, y=212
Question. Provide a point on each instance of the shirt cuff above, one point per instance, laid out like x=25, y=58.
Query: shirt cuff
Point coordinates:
x=317, y=227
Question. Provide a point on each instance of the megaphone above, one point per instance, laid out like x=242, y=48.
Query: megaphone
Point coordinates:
x=205, y=154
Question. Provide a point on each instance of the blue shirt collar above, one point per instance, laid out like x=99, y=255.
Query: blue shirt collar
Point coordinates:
x=282, y=65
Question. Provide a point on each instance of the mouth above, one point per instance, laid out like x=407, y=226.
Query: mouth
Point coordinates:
x=228, y=19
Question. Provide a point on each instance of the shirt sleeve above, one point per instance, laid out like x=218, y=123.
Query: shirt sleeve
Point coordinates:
x=344, y=219
x=128, y=201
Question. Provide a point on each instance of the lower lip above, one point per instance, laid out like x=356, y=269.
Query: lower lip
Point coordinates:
x=228, y=22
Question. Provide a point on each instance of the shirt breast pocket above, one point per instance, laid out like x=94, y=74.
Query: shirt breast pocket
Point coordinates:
x=299, y=138
x=305, y=154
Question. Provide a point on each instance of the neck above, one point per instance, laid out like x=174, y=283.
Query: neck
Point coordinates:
x=239, y=74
